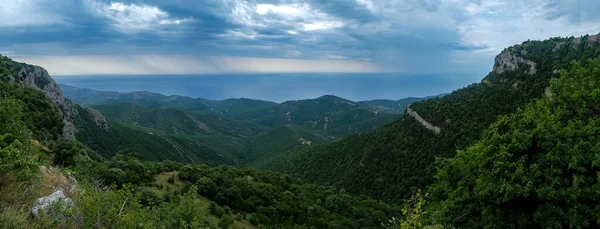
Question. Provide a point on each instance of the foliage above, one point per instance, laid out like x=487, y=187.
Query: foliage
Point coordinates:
x=9, y=68
x=535, y=168
x=272, y=144
x=280, y=201
x=176, y=121
x=42, y=116
x=153, y=145
x=322, y=114
x=16, y=150
x=412, y=215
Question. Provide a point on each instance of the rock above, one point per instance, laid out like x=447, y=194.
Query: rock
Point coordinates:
x=304, y=141
x=36, y=77
x=594, y=39
x=547, y=92
x=97, y=117
x=424, y=123
x=509, y=61
x=55, y=204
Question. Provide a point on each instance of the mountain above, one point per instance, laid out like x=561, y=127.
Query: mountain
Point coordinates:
x=398, y=158
x=327, y=114
x=176, y=121
x=397, y=106
x=169, y=134
x=228, y=107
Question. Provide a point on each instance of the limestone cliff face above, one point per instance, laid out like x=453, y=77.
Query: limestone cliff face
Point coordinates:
x=36, y=77
x=509, y=61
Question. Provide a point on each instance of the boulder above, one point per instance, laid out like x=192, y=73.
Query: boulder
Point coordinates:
x=55, y=204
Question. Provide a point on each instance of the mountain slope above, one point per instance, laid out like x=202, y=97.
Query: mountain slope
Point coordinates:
x=154, y=145
x=398, y=158
x=277, y=142
x=170, y=134
x=175, y=121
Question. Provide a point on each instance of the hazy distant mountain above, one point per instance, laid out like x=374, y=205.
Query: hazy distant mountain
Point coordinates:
x=228, y=107
x=397, y=106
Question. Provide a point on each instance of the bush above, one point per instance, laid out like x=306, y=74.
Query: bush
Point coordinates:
x=226, y=221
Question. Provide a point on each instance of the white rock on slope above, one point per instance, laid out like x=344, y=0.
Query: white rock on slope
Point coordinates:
x=55, y=204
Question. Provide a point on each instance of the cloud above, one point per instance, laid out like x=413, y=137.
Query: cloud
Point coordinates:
x=289, y=17
x=175, y=64
x=15, y=13
x=132, y=18
x=411, y=36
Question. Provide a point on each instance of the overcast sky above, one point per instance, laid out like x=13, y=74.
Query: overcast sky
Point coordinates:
x=79, y=37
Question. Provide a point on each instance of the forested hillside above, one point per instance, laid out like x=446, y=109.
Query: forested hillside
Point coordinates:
x=536, y=168
x=329, y=115
x=398, y=158
x=177, y=121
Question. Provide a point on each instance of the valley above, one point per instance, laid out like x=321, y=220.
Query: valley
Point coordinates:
x=228, y=132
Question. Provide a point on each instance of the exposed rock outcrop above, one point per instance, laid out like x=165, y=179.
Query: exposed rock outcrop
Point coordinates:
x=97, y=117
x=304, y=141
x=547, y=92
x=61, y=186
x=53, y=179
x=509, y=61
x=36, y=77
x=54, y=204
x=423, y=122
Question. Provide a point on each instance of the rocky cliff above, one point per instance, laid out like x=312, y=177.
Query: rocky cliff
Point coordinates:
x=37, y=78
x=508, y=60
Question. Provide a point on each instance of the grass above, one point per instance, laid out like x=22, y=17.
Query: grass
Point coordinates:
x=162, y=180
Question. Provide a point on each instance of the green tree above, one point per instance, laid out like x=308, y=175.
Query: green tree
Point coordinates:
x=536, y=168
x=226, y=221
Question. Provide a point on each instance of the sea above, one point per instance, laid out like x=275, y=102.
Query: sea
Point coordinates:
x=278, y=87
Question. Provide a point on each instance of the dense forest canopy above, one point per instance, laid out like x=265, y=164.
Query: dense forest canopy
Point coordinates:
x=536, y=168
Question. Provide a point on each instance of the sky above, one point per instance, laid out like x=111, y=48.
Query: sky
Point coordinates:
x=96, y=37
